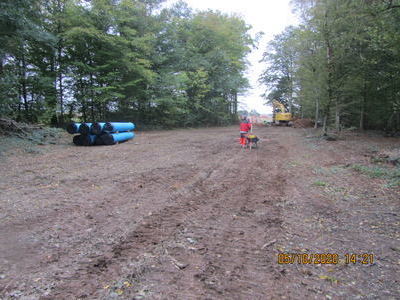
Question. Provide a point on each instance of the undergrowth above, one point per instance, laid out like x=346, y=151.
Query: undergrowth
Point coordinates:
x=29, y=142
x=390, y=174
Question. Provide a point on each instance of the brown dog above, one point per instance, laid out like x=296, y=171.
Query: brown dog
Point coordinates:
x=252, y=141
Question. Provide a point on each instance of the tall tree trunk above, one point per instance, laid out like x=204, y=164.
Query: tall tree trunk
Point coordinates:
x=325, y=125
x=330, y=69
x=60, y=84
x=290, y=93
x=235, y=103
x=60, y=6
x=316, y=112
x=302, y=109
x=91, y=97
x=362, y=108
x=19, y=108
x=1, y=65
x=327, y=113
x=91, y=94
x=71, y=111
x=328, y=105
x=23, y=86
x=362, y=113
x=81, y=95
x=337, y=115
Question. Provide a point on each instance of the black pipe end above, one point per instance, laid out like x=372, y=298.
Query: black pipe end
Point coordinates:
x=98, y=141
x=77, y=140
x=108, y=127
x=71, y=128
x=84, y=129
x=95, y=128
x=87, y=140
x=107, y=139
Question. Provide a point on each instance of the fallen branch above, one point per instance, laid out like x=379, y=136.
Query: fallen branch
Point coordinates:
x=268, y=244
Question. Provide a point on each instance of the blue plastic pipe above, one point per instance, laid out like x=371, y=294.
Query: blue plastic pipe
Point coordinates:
x=77, y=140
x=73, y=128
x=111, y=127
x=97, y=128
x=113, y=138
x=84, y=128
x=88, y=140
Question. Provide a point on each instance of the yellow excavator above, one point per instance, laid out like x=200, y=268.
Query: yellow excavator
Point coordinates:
x=280, y=116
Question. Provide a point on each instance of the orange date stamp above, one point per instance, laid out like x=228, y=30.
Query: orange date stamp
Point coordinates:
x=325, y=258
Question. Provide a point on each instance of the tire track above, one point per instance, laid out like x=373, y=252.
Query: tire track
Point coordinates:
x=201, y=235
x=229, y=221
x=148, y=236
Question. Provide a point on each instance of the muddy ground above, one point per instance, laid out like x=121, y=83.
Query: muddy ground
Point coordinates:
x=187, y=214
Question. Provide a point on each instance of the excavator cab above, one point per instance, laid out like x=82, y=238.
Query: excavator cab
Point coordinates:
x=280, y=114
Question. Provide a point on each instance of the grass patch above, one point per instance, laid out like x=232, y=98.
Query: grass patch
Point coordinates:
x=390, y=174
x=294, y=164
x=326, y=171
x=319, y=183
x=378, y=160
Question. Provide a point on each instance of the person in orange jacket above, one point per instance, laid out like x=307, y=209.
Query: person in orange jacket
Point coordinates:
x=245, y=127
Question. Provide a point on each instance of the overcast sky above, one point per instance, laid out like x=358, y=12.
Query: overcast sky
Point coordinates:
x=269, y=16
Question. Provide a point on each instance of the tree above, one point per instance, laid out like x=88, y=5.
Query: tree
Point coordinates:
x=21, y=27
x=279, y=77
x=121, y=60
x=344, y=63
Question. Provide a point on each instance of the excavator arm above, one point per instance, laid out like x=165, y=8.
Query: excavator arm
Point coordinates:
x=277, y=105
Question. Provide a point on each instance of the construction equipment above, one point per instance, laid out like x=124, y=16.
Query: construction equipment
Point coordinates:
x=280, y=114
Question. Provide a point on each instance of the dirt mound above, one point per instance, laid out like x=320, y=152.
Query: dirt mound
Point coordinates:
x=303, y=123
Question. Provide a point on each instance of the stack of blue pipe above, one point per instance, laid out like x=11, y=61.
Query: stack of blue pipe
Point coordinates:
x=101, y=133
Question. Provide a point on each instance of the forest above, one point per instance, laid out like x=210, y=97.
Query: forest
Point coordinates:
x=340, y=66
x=122, y=60
x=171, y=66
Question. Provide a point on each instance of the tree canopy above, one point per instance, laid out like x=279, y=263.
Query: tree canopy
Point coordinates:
x=341, y=65
x=120, y=60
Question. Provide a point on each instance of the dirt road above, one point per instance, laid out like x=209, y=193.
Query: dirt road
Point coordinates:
x=187, y=214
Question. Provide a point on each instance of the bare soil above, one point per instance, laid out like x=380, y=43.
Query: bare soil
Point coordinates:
x=187, y=214
x=303, y=123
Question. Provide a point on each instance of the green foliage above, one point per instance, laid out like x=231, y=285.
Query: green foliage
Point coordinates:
x=69, y=59
x=341, y=65
x=281, y=57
